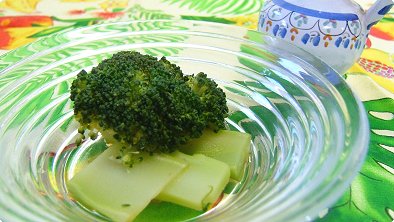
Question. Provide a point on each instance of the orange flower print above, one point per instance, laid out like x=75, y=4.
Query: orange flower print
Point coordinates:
x=11, y=38
x=25, y=21
x=108, y=15
x=15, y=30
x=383, y=30
x=5, y=39
x=77, y=12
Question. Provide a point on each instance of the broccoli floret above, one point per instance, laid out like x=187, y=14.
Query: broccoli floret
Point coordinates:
x=146, y=104
x=212, y=98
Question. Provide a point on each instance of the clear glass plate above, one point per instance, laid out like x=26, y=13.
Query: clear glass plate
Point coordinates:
x=310, y=133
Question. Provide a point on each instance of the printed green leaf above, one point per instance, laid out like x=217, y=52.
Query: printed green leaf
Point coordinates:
x=222, y=7
x=75, y=20
x=57, y=112
x=117, y=9
x=77, y=23
x=387, y=19
x=236, y=91
x=48, y=31
x=21, y=92
x=207, y=19
x=137, y=12
x=66, y=124
x=90, y=9
x=166, y=212
x=371, y=194
x=33, y=106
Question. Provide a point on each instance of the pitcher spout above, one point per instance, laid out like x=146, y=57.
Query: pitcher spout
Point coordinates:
x=377, y=11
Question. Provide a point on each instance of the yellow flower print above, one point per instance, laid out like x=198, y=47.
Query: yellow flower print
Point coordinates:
x=111, y=4
x=18, y=36
x=26, y=6
x=378, y=65
x=383, y=30
x=79, y=0
x=248, y=21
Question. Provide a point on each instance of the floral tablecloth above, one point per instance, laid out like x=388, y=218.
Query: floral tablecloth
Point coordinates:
x=371, y=195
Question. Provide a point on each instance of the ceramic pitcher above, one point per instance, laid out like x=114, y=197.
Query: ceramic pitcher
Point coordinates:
x=333, y=30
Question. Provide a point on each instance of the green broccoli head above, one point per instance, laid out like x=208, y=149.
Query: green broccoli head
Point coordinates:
x=212, y=97
x=146, y=104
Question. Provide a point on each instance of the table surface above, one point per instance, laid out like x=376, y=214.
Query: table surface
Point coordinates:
x=371, y=195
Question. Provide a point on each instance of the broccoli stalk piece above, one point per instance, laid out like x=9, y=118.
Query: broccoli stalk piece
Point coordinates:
x=145, y=104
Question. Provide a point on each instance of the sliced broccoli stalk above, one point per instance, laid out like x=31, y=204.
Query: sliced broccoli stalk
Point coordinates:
x=121, y=193
x=230, y=147
x=199, y=185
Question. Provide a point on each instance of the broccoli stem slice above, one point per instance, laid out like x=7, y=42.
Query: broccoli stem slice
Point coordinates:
x=119, y=192
x=199, y=185
x=230, y=147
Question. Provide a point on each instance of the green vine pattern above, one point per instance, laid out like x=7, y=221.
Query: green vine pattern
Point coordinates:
x=219, y=7
x=137, y=12
x=359, y=203
x=44, y=44
x=34, y=82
